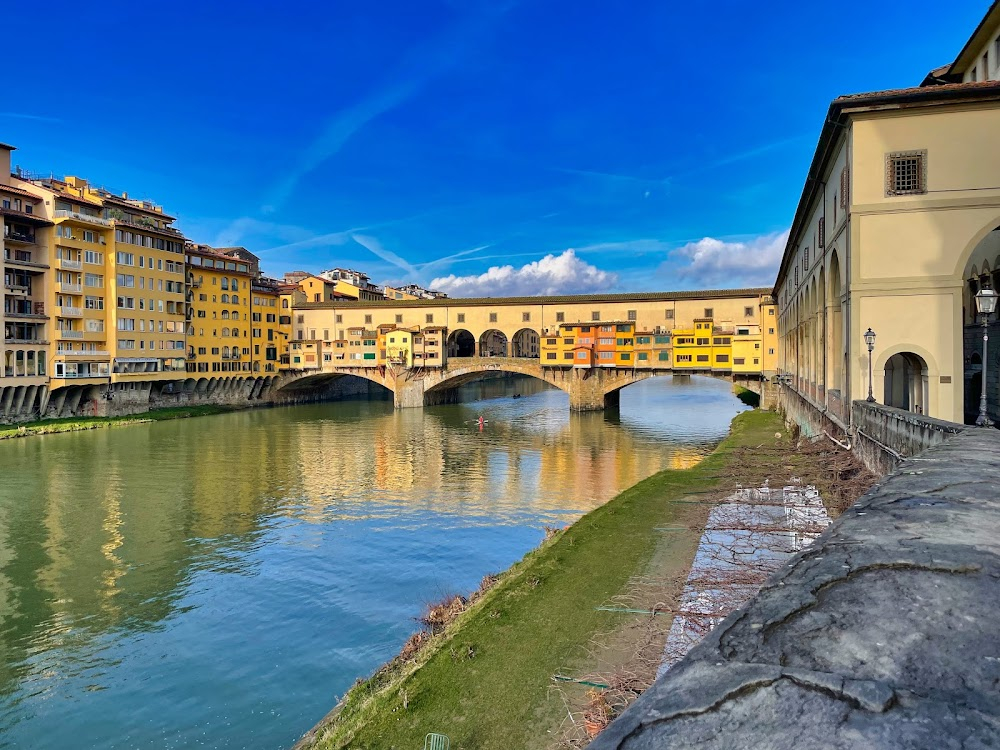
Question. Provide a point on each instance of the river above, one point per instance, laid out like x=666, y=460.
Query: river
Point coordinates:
x=219, y=582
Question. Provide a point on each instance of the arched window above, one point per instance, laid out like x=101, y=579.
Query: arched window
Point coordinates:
x=235, y=284
x=225, y=283
x=236, y=314
x=235, y=298
x=225, y=352
x=225, y=333
x=225, y=314
x=284, y=304
x=225, y=299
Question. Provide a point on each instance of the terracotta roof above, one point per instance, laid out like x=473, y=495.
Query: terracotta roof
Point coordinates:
x=837, y=116
x=19, y=191
x=567, y=299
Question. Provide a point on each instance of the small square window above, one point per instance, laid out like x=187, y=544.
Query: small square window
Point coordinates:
x=748, y=312
x=669, y=315
x=493, y=317
x=560, y=317
x=430, y=317
x=340, y=318
x=595, y=315
x=368, y=319
x=526, y=317
x=461, y=317
x=906, y=173
x=709, y=312
x=632, y=315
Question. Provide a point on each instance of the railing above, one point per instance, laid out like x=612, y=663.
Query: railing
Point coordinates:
x=66, y=334
x=74, y=265
x=40, y=342
x=69, y=312
x=16, y=287
x=25, y=257
x=39, y=314
x=70, y=288
x=78, y=375
x=91, y=353
x=19, y=237
x=82, y=217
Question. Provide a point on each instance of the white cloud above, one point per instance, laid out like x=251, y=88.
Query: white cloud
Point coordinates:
x=553, y=274
x=716, y=263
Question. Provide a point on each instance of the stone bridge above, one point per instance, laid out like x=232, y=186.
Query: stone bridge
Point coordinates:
x=588, y=389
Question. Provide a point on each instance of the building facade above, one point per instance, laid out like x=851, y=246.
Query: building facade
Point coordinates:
x=895, y=231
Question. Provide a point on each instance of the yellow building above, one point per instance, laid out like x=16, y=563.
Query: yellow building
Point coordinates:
x=897, y=228
x=396, y=346
x=429, y=347
x=81, y=350
x=653, y=350
x=397, y=294
x=268, y=338
x=219, y=318
x=26, y=265
x=747, y=352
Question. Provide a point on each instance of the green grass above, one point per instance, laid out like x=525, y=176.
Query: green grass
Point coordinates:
x=73, y=424
x=485, y=681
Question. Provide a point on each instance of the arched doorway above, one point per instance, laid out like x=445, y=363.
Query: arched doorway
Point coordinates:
x=525, y=344
x=493, y=343
x=461, y=343
x=906, y=384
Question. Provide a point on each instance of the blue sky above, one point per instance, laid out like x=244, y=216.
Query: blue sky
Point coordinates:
x=487, y=146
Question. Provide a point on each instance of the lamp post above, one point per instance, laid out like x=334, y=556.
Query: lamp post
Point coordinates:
x=870, y=341
x=986, y=303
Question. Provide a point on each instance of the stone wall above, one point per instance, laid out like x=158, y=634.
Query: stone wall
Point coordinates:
x=883, y=435
x=880, y=635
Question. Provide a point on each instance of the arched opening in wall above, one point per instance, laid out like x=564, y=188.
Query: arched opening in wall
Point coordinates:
x=836, y=328
x=982, y=270
x=525, y=344
x=461, y=343
x=906, y=384
x=493, y=343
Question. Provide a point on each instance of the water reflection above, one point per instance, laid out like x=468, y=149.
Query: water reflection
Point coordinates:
x=194, y=581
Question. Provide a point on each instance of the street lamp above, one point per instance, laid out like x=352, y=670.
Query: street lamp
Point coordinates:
x=986, y=303
x=870, y=341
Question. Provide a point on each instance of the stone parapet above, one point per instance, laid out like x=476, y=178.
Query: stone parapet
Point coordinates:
x=882, y=634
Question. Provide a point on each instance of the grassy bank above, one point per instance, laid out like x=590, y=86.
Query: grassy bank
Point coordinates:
x=73, y=424
x=485, y=681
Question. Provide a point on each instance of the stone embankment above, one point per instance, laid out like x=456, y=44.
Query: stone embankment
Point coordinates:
x=883, y=634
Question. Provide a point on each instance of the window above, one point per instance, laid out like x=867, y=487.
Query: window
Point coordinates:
x=680, y=357
x=770, y=351
x=821, y=239
x=430, y=317
x=526, y=317
x=721, y=357
x=560, y=317
x=748, y=312
x=326, y=333
x=669, y=315
x=399, y=318
x=368, y=319
x=493, y=317
x=906, y=173
x=770, y=311
x=770, y=331
x=595, y=315
x=702, y=358
x=550, y=355
x=739, y=360
x=340, y=319
x=709, y=312
x=461, y=317
x=301, y=318
x=642, y=356
x=702, y=342
x=805, y=258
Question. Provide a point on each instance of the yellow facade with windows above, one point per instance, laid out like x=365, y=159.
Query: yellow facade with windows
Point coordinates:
x=219, y=320
x=268, y=338
x=396, y=347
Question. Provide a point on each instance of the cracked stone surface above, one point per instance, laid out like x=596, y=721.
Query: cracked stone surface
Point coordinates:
x=884, y=634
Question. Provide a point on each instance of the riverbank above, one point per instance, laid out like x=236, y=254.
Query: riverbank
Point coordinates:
x=75, y=424
x=486, y=681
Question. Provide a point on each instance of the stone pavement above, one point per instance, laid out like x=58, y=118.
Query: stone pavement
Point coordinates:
x=883, y=634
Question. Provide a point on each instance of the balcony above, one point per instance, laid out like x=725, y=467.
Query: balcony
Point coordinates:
x=19, y=237
x=70, y=288
x=27, y=315
x=91, y=353
x=66, y=334
x=69, y=265
x=69, y=312
x=86, y=219
x=15, y=287
x=33, y=342
x=23, y=258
